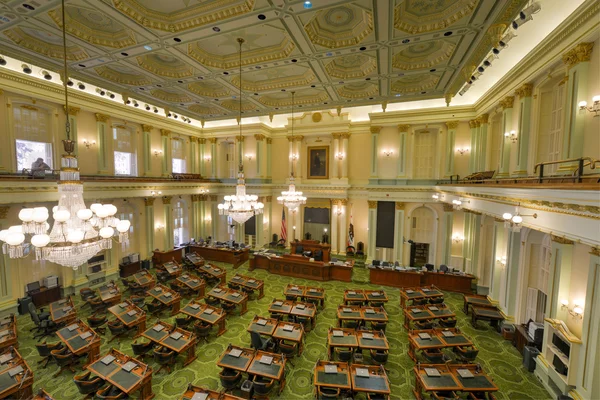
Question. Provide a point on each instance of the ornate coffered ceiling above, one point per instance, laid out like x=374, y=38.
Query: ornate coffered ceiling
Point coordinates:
x=183, y=54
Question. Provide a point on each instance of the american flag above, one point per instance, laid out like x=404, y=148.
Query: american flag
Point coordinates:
x=351, y=230
x=283, y=227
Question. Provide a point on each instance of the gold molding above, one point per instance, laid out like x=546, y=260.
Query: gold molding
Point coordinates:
x=149, y=201
x=376, y=129
x=372, y=204
x=403, y=128
x=165, y=132
x=72, y=110
x=268, y=199
x=147, y=128
x=317, y=117
x=483, y=118
x=507, y=102
x=472, y=124
x=213, y=197
x=345, y=135
x=28, y=107
x=240, y=138
x=524, y=91
x=336, y=135
x=495, y=32
x=269, y=140
x=193, y=139
x=102, y=117
x=580, y=53
x=558, y=325
x=167, y=199
x=4, y=211
x=259, y=137
x=561, y=240
x=452, y=124
x=400, y=205
x=595, y=251
x=447, y=207
x=212, y=140
x=201, y=140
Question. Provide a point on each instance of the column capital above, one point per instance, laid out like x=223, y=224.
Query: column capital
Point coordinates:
x=269, y=140
x=1, y=92
x=403, y=128
x=507, y=102
x=149, y=201
x=372, y=204
x=376, y=129
x=472, y=124
x=268, y=199
x=336, y=135
x=201, y=140
x=477, y=123
x=299, y=138
x=4, y=211
x=166, y=199
x=212, y=140
x=240, y=138
x=213, y=197
x=147, y=128
x=346, y=135
x=101, y=117
x=259, y=137
x=561, y=240
x=595, y=251
x=196, y=197
x=72, y=110
x=580, y=53
x=525, y=90
x=193, y=139
x=400, y=205
x=165, y=132
x=452, y=124
x=483, y=118
x=447, y=207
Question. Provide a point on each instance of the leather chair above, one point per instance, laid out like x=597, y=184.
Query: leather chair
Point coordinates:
x=230, y=379
x=139, y=301
x=155, y=308
x=126, y=283
x=136, y=289
x=182, y=322
x=117, y=328
x=111, y=393
x=202, y=330
x=420, y=302
x=289, y=350
x=165, y=358
x=291, y=297
x=299, y=249
x=64, y=359
x=262, y=387
x=420, y=325
x=447, y=395
x=360, y=249
x=352, y=324
x=96, y=304
x=96, y=322
x=86, y=293
x=258, y=342
x=379, y=357
x=88, y=386
x=378, y=325
x=233, y=285
x=466, y=353
x=447, y=322
x=343, y=354
x=141, y=349
x=434, y=356
x=162, y=277
x=436, y=300
x=318, y=255
x=44, y=350
x=211, y=301
x=378, y=304
x=44, y=326
x=305, y=321
x=228, y=307
x=443, y=268
x=328, y=392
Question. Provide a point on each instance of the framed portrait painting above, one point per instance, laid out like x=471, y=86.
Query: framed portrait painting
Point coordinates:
x=318, y=162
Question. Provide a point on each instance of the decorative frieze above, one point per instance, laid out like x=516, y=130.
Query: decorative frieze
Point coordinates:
x=447, y=207
x=580, y=53
x=269, y=140
x=193, y=139
x=213, y=197
x=472, y=124
x=561, y=240
x=483, y=118
x=212, y=140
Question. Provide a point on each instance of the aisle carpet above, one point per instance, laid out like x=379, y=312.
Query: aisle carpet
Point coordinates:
x=497, y=356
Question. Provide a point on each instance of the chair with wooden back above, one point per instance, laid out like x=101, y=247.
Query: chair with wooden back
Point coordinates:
x=87, y=385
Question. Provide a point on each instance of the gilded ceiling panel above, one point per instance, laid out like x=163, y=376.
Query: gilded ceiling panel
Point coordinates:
x=302, y=97
x=205, y=109
x=423, y=55
x=209, y=89
x=123, y=75
x=340, y=26
x=275, y=78
x=45, y=43
x=419, y=16
x=234, y=105
x=351, y=66
x=164, y=64
x=415, y=83
x=173, y=96
x=358, y=90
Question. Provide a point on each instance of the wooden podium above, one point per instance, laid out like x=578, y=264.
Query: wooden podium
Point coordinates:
x=313, y=245
x=161, y=257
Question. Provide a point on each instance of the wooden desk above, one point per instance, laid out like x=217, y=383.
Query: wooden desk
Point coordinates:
x=130, y=315
x=372, y=340
x=264, y=326
x=42, y=395
x=212, y=271
x=8, y=332
x=475, y=300
x=45, y=296
x=294, y=308
x=274, y=370
x=239, y=363
x=194, y=259
x=194, y=283
x=339, y=380
x=232, y=296
x=449, y=282
x=354, y=295
x=162, y=333
x=390, y=277
x=63, y=311
x=18, y=386
x=438, y=339
x=293, y=290
x=249, y=283
x=109, y=294
x=296, y=334
x=205, y=313
x=301, y=267
x=145, y=279
x=172, y=268
x=341, y=337
x=361, y=314
x=212, y=394
x=230, y=256
x=139, y=378
x=376, y=296
x=313, y=246
x=487, y=314
x=161, y=257
x=417, y=293
x=166, y=296
x=73, y=336
x=314, y=293
x=376, y=382
x=425, y=313
x=126, y=270
x=450, y=379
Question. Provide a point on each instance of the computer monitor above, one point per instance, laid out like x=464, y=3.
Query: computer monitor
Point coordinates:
x=33, y=286
x=376, y=263
x=429, y=267
x=334, y=260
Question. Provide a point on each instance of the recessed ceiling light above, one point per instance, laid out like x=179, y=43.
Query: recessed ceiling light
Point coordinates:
x=307, y=4
x=406, y=41
x=177, y=39
x=225, y=73
x=148, y=47
x=216, y=29
x=329, y=54
x=29, y=7
x=180, y=81
x=398, y=95
x=26, y=68
x=2, y=61
x=294, y=60
x=81, y=65
x=124, y=54
x=448, y=33
x=363, y=48
x=367, y=79
x=262, y=17
x=432, y=70
x=312, y=86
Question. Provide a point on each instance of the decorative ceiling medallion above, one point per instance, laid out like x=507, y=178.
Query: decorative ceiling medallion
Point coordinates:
x=423, y=55
x=94, y=27
x=307, y=96
x=123, y=75
x=175, y=16
x=340, y=26
x=358, y=90
x=418, y=16
x=415, y=83
x=205, y=110
x=317, y=117
x=234, y=105
x=171, y=96
x=164, y=64
x=275, y=78
x=208, y=89
x=231, y=59
x=45, y=43
x=352, y=66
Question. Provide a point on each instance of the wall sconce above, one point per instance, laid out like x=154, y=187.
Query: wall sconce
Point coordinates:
x=294, y=227
x=159, y=227
x=294, y=157
x=157, y=153
x=501, y=261
x=339, y=156
x=388, y=153
x=206, y=158
x=457, y=238
x=207, y=219
x=462, y=150
x=249, y=157
x=203, y=191
x=512, y=135
x=324, y=230
x=435, y=197
x=89, y=144
x=595, y=108
x=515, y=221
x=154, y=193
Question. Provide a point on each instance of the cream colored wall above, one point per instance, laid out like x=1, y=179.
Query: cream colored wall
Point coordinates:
x=280, y=159
x=591, y=141
x=359, y=158
x=458, y=228
x=577, y=290
x=462, y=139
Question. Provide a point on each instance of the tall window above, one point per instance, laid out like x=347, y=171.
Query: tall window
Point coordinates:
x=125, y=154
x=424, y=161
x=180, y=223
x=178, y=156
x=33, y=136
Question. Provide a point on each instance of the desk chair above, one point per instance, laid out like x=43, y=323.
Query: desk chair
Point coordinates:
x=305, y=321
x=165, y=358
x=350, y=251
x=299, y=249
x=378, y=325
x=447, y=322
x=64, y=359
x=377, y=304
x=211, y=301
x=328, y=393
x=141, y=348
x=377, y=396
x=139, y=301
x=420, y=325
x=230, y=379
x=343, y=354
x=232, y=285
x=466, y=353
x=434, y=356
x=202, y=330
x=44, y=350
x=436, y=300
x=352, y=324
x=136, y=289
x=262, y=387
x=118, y=329
x=360, y=249
x=43, y=325
x=430, y=267
x=155, y=308
x=228, y=307
x=96, y=304
x=162, y=277
x=111, y=393
x=420, y=302
x=443, y=268
x=288, y=349
x=88, y=386
x=86, y=293
x=379, y=357
x=448, y=395
x=96, y=322
x=182, y=322
x=126, y=284
x=258, y=342
x=291, y=297
x=318, y=255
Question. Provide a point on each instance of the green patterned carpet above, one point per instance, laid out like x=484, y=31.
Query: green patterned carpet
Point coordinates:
x=497, y=356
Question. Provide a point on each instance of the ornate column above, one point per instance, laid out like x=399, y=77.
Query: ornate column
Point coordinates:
x=498, y=251
x=512, y=277
x=269, y=142
x=147, y=150
x=259, y=227
x=201, y=157
x=335, y=167
x=345, y=138
x=578, y=64
x=268, y=218
x=343, y=228
x=103, y=145
x=559, y=284
x=167, y=163
x=6, y=282
x=475, y=244
x=473, y=124
x=298, y=165
x=466, y=242
x=333, y=237
x=260, y=143
x=195, y=217
x=482, y=142
x=399, y=232
x=202, y=219
x=193, y=154
x=372, y=229
x=447, y=222
x=214, y=215
x=450, y=148
x=507, y=108
x=168, y=215
x=149, y=209
x=213, y=159
x=402, y=138
x=524, y=93
x=375, y=152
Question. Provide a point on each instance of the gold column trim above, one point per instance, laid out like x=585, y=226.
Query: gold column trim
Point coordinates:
x=193, y=139
x=195, y=198
x=28, y=107
x=400, y=205
x=524, y=91
x=149, y=201
x=269, y=140
x=447, y=207
x=375, y=129
x=201, y=140
x=507, y=102
x=336, y=135
x=595, y=251
x=167, y=199
x=299, y=138
x=449, y=124
x=483, y=118
x=561, y=240
x=580, y=53
x=346, y=135
x=240, y=138
x=268, y=199
x=147, y=128
x=495, y=32
x=165, y=132
x=213, y=197
x=102, y=117
x=212, y=140
x=403, y=128
x=472, y=124
x=259, y=137
x=4, y=211
x=72, y=110
x=372, y=204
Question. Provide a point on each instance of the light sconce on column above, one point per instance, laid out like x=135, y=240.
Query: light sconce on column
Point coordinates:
x=515, y=221
x=387, y=153
x=156, y=193
x=207, y=219
x=595, y=108
x=462, y=150
x=512, y=135
x=458, y=204
x=457, y=238
x=576, y=311
x=89, y=143
x=435, y=197
x=338, y=211
x=206, y=158
x=339, y=156
x=157, y=153
x=249, y=157
x=294, y=157
x=501, y=261
x=159, y=227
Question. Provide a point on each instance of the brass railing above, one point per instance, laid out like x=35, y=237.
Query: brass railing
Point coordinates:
x=578, y=173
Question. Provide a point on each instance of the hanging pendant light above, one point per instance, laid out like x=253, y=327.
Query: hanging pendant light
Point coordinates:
x=78, y=233
x=291, y=198
x=241, y=206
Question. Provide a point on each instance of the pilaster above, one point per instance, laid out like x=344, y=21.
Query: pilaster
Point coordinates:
x=402, y=138
x=450, y=144
x=375, y=151
x=147, y=149
x=149, y=213
x=447, y=222
x=399, y=231
x=372, y=229
x=507, y=109
x=167, y=163
x=213, y=161
x=168, y=215
x=103, y=147
x=524, y=93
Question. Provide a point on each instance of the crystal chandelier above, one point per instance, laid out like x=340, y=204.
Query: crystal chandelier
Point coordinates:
x=291, y=198
x=78, y=233
x=241, y=206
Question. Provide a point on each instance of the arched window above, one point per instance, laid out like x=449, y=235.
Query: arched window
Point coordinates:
x=33, y=136
x=180, y=223
x=125, y=153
